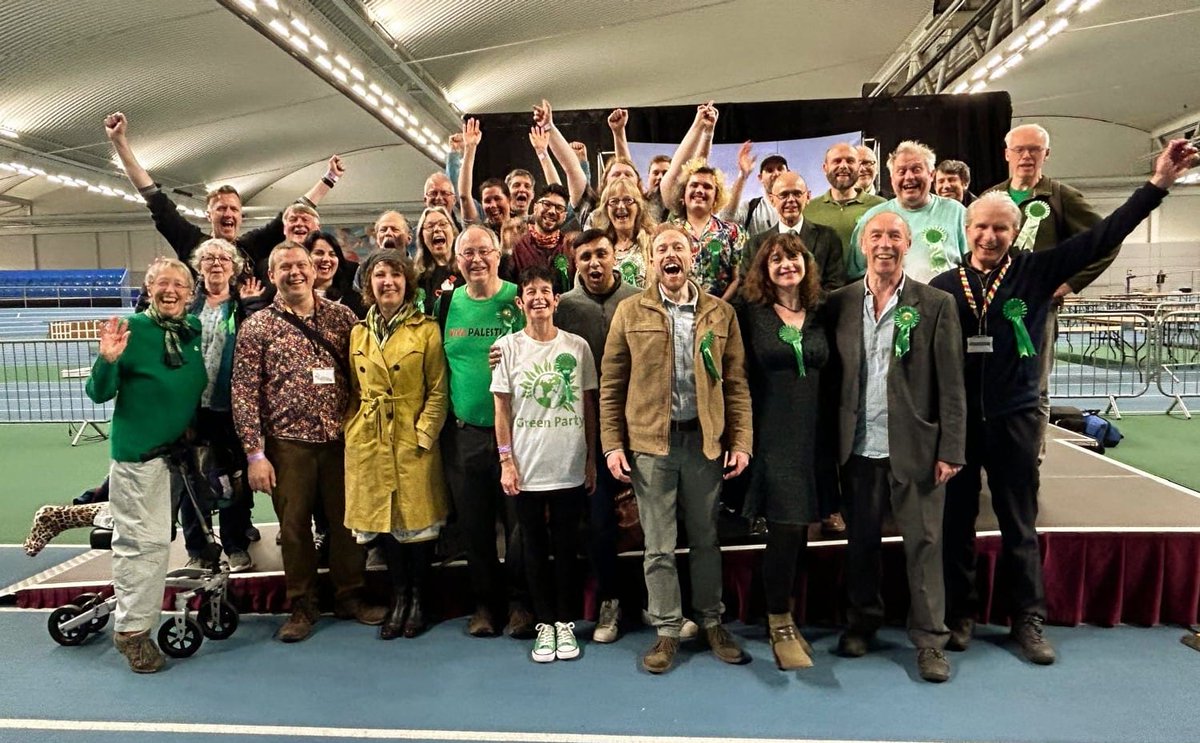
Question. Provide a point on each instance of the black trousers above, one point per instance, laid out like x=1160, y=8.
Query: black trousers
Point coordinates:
x=554, y=588
x=1007, y=448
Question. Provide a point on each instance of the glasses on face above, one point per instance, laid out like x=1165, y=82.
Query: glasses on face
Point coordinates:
x=435, y=194
x=1032, y=149
x=209, y=260
x=791, y=194
x=431, y=226
x=473, y=253
x=552, y=205
x=625, y=201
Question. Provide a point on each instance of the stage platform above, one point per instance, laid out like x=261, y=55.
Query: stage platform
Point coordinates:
x=1118, y=546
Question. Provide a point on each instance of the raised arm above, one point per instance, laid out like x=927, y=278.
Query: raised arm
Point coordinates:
x=698, y=138
x=616, y=122
x=335, y=171
x=472, y=135
x=115, y=127
x=540, y=142
x=734, y=210
x=543, y=117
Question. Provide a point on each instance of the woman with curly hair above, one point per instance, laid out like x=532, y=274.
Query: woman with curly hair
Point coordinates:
x=786, y=348
x=626, y=220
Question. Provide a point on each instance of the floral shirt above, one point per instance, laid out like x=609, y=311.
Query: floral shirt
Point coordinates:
x=715, y=253
x=279, y=375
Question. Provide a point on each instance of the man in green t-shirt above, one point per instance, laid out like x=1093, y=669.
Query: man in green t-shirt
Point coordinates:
x=472, y=318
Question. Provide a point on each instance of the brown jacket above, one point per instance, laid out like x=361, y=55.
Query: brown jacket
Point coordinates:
x=638, y=370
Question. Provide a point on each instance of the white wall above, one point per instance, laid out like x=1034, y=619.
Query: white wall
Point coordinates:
x=133, y=249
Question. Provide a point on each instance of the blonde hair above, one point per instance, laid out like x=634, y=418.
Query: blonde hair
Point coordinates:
x=164, y=263
x=699, y=165
x=913, y=147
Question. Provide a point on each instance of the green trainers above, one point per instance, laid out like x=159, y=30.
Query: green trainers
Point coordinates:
x=564, y=637
x=544, y=645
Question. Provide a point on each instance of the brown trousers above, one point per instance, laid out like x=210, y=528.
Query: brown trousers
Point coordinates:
x=310, y=477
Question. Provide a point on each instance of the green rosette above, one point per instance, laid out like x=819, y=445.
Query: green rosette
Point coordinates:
x=935, y=239
x=419, y=299
x=507, y=315
x=565, y=365
x=713, y=248
x=629, y=273
x=710, y=365
x=1015, y=311
x=1038, y=210
x=906, y=319
x=560, y=265
x=794, y=337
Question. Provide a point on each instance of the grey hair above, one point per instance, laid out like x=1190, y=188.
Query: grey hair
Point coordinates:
x=913, y=147
x=458, y=241
x=226, y=247
x=998, y=199
x=862, y=235
x=1041, y=130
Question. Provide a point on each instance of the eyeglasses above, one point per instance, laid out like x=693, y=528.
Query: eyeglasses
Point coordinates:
x=548, y=205
x=1032, y=149
x=208, y=260
x=473, y=253
x=625, y=201
x=433, y=194
x=794, y=194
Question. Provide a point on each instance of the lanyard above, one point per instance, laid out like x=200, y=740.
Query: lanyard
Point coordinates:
x=988, y=295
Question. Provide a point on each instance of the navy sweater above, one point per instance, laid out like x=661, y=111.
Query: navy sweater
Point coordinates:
x=1001, y=382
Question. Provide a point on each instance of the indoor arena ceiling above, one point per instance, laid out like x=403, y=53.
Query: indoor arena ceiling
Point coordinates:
x=211, y=98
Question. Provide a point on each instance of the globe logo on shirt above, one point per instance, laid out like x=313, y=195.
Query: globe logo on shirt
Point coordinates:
x=551, y=385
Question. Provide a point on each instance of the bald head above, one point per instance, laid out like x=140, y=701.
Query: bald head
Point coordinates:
x=789, y=196
x=841, y=166
x=868, y=166
x=439, y=191
x=884, y=241
x=391, y=230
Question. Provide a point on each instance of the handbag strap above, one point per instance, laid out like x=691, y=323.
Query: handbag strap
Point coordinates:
x=342, y=364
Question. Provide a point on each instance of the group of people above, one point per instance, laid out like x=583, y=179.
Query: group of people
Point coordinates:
x=525, y=359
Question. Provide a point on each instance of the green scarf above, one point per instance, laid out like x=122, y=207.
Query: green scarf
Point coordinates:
x=176, y=332
x=382, y=328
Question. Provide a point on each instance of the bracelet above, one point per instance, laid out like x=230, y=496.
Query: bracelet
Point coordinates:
x=505, y=449
x=331, y=182
x=541, y=155
x=256, y=457
x=505, y=458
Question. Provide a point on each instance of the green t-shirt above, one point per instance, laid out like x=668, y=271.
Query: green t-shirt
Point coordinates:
x=155, y=402
x=1019, y=197
x=472, y=326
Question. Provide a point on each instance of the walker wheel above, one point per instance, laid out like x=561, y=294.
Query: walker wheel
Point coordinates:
x=219, y=625
x=61, y=616
x=88, y=601
x=180, y=641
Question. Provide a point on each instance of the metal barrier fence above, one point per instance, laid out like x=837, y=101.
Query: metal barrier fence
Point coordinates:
x=1115, y=347
x=43, y=382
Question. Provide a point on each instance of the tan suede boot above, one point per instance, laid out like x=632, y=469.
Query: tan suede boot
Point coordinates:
x=787, y=644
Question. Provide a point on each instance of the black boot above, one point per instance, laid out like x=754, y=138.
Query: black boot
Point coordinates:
x=414, y=623
x=394, y=625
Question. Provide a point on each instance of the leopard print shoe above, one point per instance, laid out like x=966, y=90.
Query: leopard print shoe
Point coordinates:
x=50, y=521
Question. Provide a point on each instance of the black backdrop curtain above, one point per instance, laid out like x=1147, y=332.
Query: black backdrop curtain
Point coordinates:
x=963, y=127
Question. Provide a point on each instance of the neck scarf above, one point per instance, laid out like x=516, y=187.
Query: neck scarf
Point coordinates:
x=544, y=241
x=176, y=332
x=382, y=328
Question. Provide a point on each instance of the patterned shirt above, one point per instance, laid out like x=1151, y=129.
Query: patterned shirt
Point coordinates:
x=715, y=253
x=276, y=373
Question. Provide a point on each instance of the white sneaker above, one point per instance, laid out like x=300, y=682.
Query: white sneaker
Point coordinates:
x=566, y=645
x=606, y=624
x=544, y=645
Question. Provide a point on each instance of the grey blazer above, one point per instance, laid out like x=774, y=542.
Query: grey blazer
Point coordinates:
x=926, y=398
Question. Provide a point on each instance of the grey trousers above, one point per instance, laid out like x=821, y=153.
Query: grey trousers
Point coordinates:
x=686, y=480
x=869, y=489
x=140, y=502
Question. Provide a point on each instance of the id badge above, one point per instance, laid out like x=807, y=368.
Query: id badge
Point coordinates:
x=979, y=344
x=323, y=376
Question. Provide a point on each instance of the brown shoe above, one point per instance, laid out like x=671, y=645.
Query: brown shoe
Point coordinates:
x=786, y=643
x=141, y=652
x=521, y=625
x=361, y=612
x=299, y=625
x=723, y=645
x=480, y=624
x=833, y=525
x=660, y=657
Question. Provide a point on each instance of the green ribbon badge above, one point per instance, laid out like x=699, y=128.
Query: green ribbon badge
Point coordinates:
x=713, y=248
x=794, y=337
x=907, y=318
x=419, y=299
x=629, y=273
x=1014, y=311
x=935, y=238
x=560, y=265
x=706, y=353
x=1035, y=212
x=507, y=315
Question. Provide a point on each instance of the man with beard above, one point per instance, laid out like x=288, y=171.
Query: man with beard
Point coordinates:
x=543, y=243
x=897, y=371
x=868, y=166
x=587, y=311
x=223, y=205
x=952, y=180
x=1003, y=298
x=841, y=206
x=290, y=392
x=758, y=214
x=789, y=196
x=675, y=420
x=934, y=222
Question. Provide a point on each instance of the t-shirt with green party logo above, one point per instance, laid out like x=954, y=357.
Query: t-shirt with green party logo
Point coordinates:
x=472, y=326
x=547, y=380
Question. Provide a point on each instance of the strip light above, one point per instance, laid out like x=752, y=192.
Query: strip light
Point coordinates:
x=344, y=73
x=1031, y=36
x=61, y=179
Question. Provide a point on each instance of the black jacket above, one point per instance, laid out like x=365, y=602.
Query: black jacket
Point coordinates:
x=1001, y=382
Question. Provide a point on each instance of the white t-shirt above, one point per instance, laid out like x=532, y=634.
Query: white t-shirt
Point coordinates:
x=547, y=381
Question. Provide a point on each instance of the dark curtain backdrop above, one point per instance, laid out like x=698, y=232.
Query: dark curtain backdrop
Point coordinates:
x=963, y=127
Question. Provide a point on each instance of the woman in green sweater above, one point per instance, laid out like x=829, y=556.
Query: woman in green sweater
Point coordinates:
x=152, y=364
